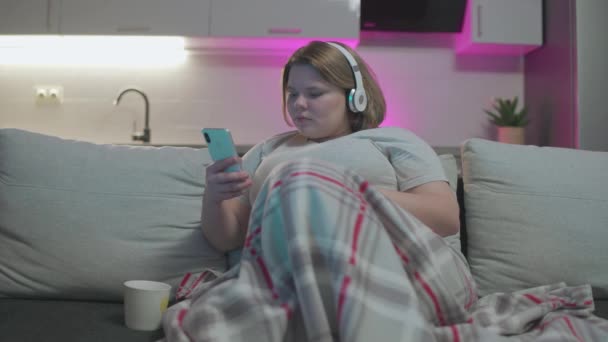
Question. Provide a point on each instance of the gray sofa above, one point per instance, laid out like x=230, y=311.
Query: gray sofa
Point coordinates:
x=78, y=219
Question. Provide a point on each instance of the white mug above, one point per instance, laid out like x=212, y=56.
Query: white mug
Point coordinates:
x=144, y=303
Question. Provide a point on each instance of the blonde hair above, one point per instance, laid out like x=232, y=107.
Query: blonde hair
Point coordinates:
x=335, y=69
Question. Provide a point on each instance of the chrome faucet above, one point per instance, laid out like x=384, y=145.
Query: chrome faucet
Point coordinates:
x=139, y=136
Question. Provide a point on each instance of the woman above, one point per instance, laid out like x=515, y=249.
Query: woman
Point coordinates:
x=316, y=81
x=330, y=218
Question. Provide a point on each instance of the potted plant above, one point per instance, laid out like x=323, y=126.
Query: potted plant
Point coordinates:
x=510, y=121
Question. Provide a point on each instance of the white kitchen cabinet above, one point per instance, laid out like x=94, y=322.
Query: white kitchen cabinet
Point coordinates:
x=135, y=17
x=510, y=27
x=28, y=17
x=285, y=18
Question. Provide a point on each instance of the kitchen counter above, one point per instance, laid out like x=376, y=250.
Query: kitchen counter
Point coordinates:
x=242, y=149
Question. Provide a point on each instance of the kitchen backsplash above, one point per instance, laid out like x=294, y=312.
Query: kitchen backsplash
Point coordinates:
x=429, y=90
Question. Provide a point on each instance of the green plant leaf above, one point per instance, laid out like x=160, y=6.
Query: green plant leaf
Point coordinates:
x=514, y=107
x=505, y=113
x=494, y=118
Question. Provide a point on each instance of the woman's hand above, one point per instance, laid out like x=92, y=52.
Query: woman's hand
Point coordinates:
x=224, y=217
x=221, y=185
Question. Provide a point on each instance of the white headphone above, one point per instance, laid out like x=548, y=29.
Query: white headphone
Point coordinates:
x=357, y=99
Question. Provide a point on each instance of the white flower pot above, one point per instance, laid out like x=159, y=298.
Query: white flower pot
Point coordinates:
x=511, y=135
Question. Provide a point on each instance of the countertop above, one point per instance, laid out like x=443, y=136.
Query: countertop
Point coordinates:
x=241, y=149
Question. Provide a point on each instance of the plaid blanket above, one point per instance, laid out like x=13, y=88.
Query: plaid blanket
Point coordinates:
x=329, y=258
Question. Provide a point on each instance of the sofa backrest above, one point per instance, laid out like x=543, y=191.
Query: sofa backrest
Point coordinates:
x=78, y=219
x=535, y=216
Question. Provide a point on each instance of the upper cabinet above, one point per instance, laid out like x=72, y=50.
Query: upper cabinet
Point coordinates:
x=285, y=18
x=135, y=17
x=27, y=17
x=505, y=27
x=308, y=19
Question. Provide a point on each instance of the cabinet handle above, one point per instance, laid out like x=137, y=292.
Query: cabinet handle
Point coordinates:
x=284, y=30
x=133, y=29
x=479, y=31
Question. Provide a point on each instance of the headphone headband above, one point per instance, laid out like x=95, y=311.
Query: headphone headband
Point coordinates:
x=357, y=99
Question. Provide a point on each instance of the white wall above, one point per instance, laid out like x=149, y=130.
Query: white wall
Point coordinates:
x=429, y=89
x=550, y=79
x=592, y=74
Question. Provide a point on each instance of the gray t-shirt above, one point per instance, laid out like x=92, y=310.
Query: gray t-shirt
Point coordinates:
x=387, y=157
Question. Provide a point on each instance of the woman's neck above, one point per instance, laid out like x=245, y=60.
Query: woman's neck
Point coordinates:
x=321, y=140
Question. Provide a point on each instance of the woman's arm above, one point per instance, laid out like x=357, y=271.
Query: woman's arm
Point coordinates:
x=225, y=216
x=433, y=203
x=224, y=224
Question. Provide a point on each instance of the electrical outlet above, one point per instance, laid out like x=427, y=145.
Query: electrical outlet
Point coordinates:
x=48, y=94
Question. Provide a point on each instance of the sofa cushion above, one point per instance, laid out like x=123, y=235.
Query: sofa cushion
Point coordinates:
x=535, y=215
x=78, y=219
x=67, y=321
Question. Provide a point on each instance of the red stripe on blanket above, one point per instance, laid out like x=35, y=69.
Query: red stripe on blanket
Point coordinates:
x=180, y=321
x=571, y=327
x=180, y=316
x=342, y=297
x=179, y=293
x=358, y=225
x=195, y=283
x=288, y=310
x=431, y=294
x=455, y=333
x=563, y=302
x=403, y=257
x=278, y=183
x=198, y=280
x=185, y=279
x=533, y=298
x=252, y=235
x=266, y=275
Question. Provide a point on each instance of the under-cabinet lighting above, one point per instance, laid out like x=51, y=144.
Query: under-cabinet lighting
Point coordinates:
x=129, y=51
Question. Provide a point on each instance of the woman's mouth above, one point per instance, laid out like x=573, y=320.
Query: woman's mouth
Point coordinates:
x=300, y=120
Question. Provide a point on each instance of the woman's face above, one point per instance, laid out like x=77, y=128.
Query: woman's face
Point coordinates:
x=317, y=108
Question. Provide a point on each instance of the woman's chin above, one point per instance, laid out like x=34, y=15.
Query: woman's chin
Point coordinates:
x=305, y=130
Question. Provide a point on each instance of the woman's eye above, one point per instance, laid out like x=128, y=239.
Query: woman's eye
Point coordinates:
x=313, y=95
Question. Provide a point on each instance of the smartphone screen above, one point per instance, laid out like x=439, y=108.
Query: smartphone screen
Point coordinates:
x=220, y=145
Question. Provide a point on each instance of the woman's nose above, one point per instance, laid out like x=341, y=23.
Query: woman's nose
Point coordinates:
x=300, y=101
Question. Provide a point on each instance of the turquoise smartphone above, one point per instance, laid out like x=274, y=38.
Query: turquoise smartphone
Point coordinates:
x=221, y=146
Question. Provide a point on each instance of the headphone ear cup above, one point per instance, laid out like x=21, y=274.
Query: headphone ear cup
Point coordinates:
x=357, y=100
x=360, y=100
